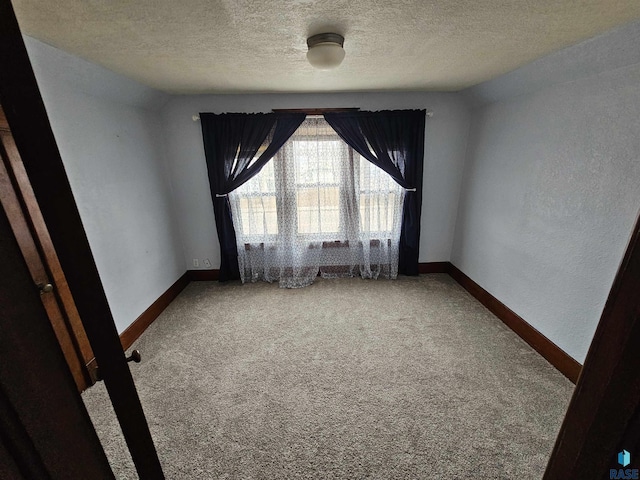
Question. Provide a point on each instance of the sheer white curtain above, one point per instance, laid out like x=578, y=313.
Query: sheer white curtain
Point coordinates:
x=317, y=207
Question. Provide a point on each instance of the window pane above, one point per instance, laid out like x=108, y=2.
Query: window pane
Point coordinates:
x=255, y=201
x=380, y=198
x=318, y=210
x=258, y=215
x=318, y=161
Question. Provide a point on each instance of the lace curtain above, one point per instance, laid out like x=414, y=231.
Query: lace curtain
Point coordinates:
x=318, y=206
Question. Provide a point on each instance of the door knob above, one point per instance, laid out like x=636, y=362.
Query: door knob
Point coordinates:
x=134, y=357
x=45, y=287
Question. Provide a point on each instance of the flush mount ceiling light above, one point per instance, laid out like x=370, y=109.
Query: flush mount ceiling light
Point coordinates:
x=325, y=50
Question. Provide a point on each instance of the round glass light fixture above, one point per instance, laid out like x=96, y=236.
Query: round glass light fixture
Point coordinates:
x=325, y=50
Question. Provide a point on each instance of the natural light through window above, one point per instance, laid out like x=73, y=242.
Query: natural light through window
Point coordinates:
x=311, y=185
x=317, y=206
x=256, y=201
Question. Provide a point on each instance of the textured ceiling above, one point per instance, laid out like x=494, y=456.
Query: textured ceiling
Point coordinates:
x=242, y=46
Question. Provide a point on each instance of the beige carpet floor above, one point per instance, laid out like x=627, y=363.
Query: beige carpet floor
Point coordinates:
x=345, y=379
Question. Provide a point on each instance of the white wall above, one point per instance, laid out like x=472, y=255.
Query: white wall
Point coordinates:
x=445, y=141
x=110, y=137
x=552, y=184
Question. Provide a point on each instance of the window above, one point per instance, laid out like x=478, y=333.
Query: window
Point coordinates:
x=314, y=194
x=319, y=173
x=317, y=184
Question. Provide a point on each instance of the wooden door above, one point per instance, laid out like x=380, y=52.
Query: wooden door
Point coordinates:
x=23, y=212
x=603, y=417
x=45, y=430
x=21, y=100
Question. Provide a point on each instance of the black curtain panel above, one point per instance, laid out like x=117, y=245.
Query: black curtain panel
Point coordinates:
x=394, y=141
x=231, y=142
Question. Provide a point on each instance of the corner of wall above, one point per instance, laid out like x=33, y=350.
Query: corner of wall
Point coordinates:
x=463, y=178
x=110, y=140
